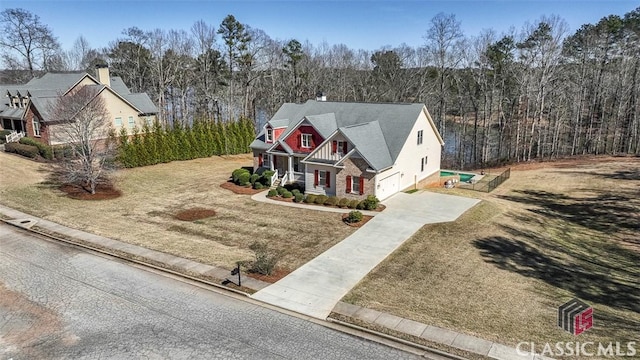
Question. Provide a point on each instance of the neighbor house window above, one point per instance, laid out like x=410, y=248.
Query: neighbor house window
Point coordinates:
x=132, y=123
x=424, y=162
x=265, y=160
x=306, y=140
x=269, y=135
x=419, y=137
x=36, y=126
x=118, y=121
x=149, y=121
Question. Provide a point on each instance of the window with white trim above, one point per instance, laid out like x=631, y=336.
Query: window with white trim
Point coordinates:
x=269, y=135
x=306, y=140
x=265, y=160
x=132, y=123
x=420, y=137
x=322, y=178
x=424, y=162
x=149, y=121
x=355, y=184
x=342, y=147
x=36, y=126
x=118, y=121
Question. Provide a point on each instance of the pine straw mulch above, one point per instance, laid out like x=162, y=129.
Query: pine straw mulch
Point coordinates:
x=241, y=190
x=277, y=274
x=103, y=192
x=195, y=214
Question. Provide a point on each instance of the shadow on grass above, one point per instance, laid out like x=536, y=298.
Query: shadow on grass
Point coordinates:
x=629, y=174
x=597, y=280
x=608, y=212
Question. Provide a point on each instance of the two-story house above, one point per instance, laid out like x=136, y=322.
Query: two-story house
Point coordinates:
x=350, y=149
x=25, y=108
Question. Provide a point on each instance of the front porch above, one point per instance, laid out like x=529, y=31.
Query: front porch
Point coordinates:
x=287, y=169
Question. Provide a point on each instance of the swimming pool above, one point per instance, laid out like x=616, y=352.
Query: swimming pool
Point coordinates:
x=464, y=177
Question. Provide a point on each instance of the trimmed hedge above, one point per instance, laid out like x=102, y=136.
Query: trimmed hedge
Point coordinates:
x=343, y=203
x=370, y=203
x=321, y=199
x=310, y=199
x=22, y=149
x=298, y=197
x=353, y=204
x=3, y=136
x=272, y=193
x=44, y=150
x=287, y=194
x=258, y=186
x=331, y=201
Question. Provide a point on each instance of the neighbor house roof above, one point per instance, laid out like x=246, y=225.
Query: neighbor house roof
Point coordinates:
x=377, y=130
x=44, y=91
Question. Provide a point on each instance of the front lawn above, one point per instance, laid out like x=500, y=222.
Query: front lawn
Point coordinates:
x=152, y=196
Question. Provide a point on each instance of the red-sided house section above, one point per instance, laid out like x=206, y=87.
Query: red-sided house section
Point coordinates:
x=276, y=133
x=294, y=139
x=30, y=114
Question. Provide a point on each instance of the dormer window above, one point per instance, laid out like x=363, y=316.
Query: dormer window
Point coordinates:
x=269, y=135
x=306, y=140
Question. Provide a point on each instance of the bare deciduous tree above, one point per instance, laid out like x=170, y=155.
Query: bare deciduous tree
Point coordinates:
x=82, y=121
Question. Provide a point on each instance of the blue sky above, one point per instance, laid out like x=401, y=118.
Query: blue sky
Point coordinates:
x=362, y=24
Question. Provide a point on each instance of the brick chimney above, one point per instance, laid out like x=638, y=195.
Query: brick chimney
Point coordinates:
x=102, y=72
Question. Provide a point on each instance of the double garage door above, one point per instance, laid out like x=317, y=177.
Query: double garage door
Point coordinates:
x=388, y=186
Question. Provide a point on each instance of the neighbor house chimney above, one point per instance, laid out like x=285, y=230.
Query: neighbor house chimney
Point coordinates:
x=102, y=71
x=320, y=96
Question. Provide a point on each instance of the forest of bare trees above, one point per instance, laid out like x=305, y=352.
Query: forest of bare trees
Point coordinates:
x=539, y=92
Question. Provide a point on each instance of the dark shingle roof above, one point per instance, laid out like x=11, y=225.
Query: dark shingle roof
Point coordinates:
x=382, y=132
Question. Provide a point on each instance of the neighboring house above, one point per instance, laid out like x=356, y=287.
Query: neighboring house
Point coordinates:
x=25, y=108
x=350, y=149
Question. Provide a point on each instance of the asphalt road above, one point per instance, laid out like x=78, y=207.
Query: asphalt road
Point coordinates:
x=59, y=302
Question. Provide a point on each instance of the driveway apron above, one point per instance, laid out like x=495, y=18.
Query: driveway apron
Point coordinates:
x=316, y=287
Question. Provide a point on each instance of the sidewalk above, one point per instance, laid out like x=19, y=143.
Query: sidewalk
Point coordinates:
x=428, y=332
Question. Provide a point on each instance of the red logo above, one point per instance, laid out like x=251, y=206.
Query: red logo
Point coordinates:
x=575, y=316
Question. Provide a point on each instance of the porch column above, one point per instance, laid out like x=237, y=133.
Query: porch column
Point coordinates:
x=290, y=158
x=271, y=162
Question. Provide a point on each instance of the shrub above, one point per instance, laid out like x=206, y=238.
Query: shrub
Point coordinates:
x=266, y=259
x=265, y=179
x=44, y=150
x=310, y=199
x=280, y=190
x=353, y=204
x=254, y=178
x=343, y=203
x=235, y=175
x=360, y=205
x=244, y=179
x=331, y=201
x=258, y=186
x=272, y=193
x=370, y=203
x=62, y=151
x=321, y=199
x=3, y=136
x=295, y=191
x=354, y=217
x=22, y=149
x=298, y=197
x=287, y=194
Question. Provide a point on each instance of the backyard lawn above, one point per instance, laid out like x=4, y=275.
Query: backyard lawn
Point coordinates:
x=151, y=196
x=552, y=232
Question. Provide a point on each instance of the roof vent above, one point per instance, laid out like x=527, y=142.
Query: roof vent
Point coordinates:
x=320, y=96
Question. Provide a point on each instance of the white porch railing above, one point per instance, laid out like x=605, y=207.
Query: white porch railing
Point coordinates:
x=274, y=177
x=285, y=178
x=14, y=136
x=297, y=177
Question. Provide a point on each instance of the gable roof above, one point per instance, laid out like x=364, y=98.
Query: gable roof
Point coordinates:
x=44, y=90
x=366, y=125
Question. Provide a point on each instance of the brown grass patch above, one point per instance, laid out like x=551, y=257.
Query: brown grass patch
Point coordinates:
x=103, y=192
x=501, y=270
x=241, y=190
x=195, y=214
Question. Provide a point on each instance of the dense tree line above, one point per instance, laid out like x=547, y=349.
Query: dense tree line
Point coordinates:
x=160, y=144
x=537, y=93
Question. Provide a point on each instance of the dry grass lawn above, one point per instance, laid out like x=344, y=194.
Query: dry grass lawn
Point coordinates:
x=550, y=233
x=144, y=214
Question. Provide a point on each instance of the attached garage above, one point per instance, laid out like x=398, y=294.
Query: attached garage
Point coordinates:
x=388, y=186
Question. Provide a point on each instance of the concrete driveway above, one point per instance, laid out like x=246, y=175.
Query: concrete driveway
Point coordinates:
x=317, y=286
